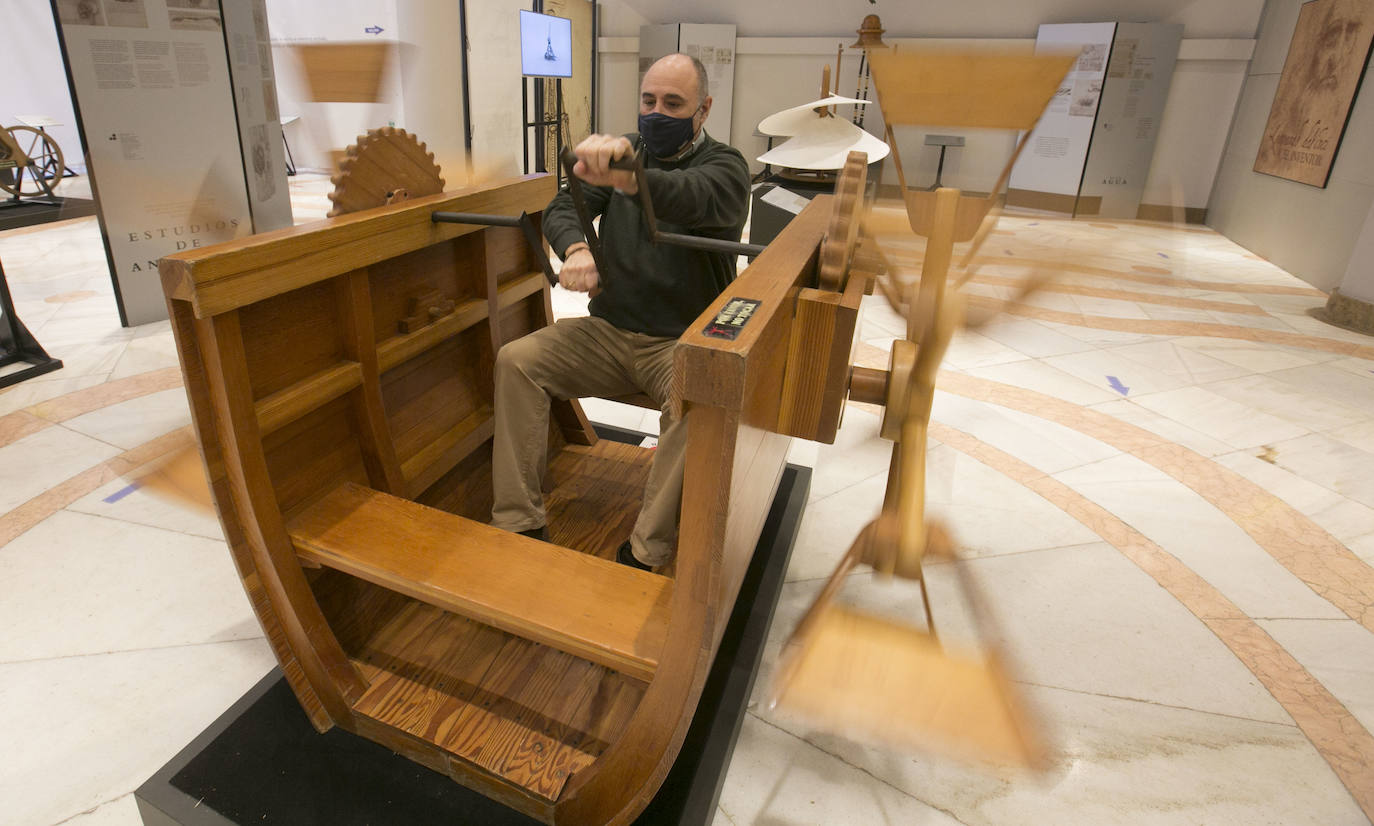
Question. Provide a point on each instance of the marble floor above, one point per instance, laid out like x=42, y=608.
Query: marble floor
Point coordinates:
x=1159, y=468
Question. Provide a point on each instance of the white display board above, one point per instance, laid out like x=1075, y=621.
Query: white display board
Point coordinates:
x=255, y=101
x=152, y=87
x=1052, y=162
x=1123, y=144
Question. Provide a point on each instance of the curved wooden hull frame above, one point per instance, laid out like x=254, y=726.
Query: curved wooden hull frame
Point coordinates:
x=247, y=409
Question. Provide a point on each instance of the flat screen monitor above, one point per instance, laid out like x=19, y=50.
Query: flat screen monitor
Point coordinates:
x=545, y=45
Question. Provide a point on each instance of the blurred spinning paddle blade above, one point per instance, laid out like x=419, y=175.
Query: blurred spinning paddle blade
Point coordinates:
x=179, y=479
x=875, y=680
x=345, y=72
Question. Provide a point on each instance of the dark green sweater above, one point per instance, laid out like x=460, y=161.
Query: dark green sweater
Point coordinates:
x=660, y=289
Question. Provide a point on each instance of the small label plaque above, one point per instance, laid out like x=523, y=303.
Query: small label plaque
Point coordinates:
x=731, y=318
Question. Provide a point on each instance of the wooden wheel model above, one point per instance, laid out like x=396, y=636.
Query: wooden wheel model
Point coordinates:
x=30, y=161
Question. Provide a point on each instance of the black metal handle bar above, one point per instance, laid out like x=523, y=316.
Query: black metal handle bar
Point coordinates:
x=634, y=164
x=523, y=221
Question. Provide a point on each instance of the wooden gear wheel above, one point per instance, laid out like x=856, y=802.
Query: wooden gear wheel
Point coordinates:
x=384, y=166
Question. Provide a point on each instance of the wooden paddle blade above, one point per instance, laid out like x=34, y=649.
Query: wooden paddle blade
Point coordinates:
x=872, y=679
x=180, y=479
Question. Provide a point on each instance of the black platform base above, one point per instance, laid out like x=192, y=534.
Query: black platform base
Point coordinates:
x=28, y=212
x=262, y=763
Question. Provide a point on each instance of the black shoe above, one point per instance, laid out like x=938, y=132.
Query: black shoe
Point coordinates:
x=626, y=556
x=541, y=533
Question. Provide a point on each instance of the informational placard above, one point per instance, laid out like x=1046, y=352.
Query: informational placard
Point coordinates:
x=1049, y=170
x=1133, y=97
x=255, y=101
x=155, y=96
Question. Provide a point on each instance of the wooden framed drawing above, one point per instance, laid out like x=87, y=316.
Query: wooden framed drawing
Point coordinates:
x=1325, y=64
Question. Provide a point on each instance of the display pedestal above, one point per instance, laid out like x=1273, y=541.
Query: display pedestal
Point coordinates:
x=17, y=344
x=262, y=762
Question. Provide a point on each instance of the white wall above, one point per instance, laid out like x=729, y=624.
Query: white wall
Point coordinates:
x=35, y=83
x=1359, y=275
x=494, y=86
x=1309, y=231
x=774, y=73
x=931, y=18
x=329, y=127
x=431, y=68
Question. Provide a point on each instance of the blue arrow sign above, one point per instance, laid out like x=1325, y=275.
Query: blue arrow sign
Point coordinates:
x=373, y=30
x=1117, y=385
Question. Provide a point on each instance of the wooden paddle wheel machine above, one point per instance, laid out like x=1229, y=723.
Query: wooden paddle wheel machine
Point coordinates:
x=340, y=378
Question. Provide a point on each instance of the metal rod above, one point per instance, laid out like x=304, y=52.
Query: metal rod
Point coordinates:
x=584, y=215
x=633, y=164
x=699, y=242
x=523, y=222
x=467, y=90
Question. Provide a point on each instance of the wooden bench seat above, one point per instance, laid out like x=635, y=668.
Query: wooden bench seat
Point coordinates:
x=610, y=614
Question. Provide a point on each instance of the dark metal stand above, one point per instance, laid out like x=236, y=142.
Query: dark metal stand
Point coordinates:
x=262, y=762
x=290, y=161
x=17, y=344
x=944, y=142
x=540, y=124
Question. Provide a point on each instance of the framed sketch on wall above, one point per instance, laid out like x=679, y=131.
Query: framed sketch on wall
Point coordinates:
x=1326, y=61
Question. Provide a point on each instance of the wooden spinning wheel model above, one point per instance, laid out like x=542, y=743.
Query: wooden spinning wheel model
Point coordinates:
x=30, y=161
x=876, y=678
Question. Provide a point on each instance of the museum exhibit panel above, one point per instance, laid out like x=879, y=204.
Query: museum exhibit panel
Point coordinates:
x=1030, y=451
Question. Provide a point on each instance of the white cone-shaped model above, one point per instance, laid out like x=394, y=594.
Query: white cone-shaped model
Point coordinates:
x=824, y=143
x=790, y=122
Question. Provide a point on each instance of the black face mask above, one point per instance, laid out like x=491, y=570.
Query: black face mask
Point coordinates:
x=665, y=136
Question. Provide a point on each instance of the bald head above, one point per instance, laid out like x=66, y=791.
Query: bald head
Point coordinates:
x=676, y=86
x=681, y=70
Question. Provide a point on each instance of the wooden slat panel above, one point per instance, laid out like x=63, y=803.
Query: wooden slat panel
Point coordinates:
x=360, y=343
x=291, y=337
x=453, y=267
x=203, y=420
x=314, y=454
x=610, y=614
x=508, y=253
x=715, y=371
x=431, y=401
x=291, y=403
x=330, y=674
x=596, y=495
x=818, y=357
x=520, y=287
x=440, y=678
x=241, y=272
x=404, y=346
x=444, y=453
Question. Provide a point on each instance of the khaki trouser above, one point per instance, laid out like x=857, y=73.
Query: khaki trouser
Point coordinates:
x=577, y=357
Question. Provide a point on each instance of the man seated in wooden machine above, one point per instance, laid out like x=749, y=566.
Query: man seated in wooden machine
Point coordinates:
x=642, y=301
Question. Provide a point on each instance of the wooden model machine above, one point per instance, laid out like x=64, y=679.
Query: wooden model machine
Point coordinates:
x=350, y=465
x=340, y=377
